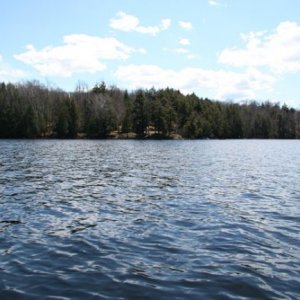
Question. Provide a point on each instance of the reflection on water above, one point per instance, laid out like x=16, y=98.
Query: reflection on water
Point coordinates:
x=150, y=219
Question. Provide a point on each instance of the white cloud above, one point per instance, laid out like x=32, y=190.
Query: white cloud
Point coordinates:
x=184, y=42
x=225, y=84
x=192, y=56
x=185, y=25
x=165, y=24
x=141, y=50
x=280, y=50
x=79, y=53
x=11, y=74
x=8, y=73
x=182, y=50
x=213, y=2
x=124, y=22
x=127, y=23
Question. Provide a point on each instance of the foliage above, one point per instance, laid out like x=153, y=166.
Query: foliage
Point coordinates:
x=31, y=110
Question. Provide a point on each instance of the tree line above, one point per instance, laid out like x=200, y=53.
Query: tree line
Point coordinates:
x=31, y=110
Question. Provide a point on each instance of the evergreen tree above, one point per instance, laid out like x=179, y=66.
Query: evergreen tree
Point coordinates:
x=31, y=110
x=62, y=125
x=29, y=126
x=73, y=119
x=140, y=114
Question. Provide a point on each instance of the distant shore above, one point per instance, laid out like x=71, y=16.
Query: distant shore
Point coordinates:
x=133, y=136
x=112, y=136
x=30, y=110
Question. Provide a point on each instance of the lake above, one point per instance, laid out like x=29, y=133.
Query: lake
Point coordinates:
x=112, y=219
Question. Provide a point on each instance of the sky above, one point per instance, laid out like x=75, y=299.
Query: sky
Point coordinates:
x=228, y=50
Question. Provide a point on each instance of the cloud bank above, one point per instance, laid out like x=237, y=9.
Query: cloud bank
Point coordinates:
x=79, y=53
x=279, y=51
x=228, y=85
x=129, y=23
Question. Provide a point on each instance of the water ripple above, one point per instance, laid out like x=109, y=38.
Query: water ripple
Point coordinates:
x=149, y=219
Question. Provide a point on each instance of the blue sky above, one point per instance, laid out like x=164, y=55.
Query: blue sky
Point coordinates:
x=222, y=49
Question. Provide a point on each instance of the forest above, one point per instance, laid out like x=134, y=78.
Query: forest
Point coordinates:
x=32, y=110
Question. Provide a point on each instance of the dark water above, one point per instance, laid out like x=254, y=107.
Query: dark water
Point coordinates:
x=149, y=219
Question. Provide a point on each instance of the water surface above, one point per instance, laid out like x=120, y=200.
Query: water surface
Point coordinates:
x=149, y=219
